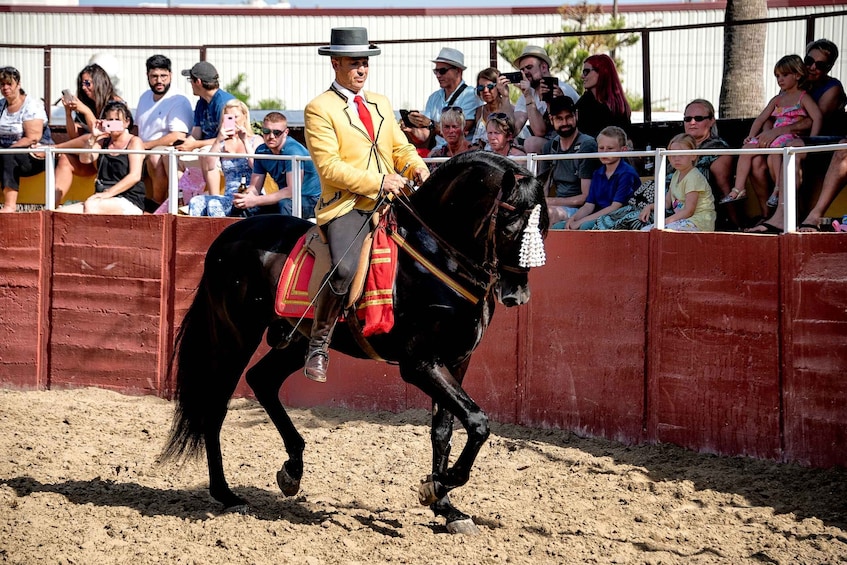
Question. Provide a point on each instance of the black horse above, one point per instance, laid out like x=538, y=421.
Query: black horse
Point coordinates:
x=467, y=221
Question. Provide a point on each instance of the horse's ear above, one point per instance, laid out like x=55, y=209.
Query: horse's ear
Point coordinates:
x=509, y=182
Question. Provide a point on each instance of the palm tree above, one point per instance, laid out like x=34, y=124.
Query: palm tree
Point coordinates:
x=743, y=58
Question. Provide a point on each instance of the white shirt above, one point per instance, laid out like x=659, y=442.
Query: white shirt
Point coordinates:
x=156, y=119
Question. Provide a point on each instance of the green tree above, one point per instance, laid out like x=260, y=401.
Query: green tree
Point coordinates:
x=568, y=53
x=270, y=104
x=239, y=89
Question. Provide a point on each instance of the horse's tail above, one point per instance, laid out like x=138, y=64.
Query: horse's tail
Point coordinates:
x=199, y=375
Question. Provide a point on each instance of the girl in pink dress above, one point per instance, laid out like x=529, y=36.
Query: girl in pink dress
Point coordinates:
x=787, y=107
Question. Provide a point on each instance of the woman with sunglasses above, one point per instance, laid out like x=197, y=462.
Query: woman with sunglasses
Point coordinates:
x=493, y=89
x=452, y=130
x=23, y=123
x=603, y=103
x=235, y=135
x=501, y=135
x=94, y=91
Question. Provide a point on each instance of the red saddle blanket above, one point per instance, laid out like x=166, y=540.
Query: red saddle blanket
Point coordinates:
x=375, y=307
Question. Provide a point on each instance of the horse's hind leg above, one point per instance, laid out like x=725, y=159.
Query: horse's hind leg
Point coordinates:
x=266, y=378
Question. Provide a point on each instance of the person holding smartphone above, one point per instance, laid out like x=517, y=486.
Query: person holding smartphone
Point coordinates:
x=118, y=189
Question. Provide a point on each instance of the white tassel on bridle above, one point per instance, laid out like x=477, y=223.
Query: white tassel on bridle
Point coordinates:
x=532, y=246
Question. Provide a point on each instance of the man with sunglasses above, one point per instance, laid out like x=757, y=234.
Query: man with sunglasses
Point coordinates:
x=453, y=93
x=277, y=142
x=163, y=116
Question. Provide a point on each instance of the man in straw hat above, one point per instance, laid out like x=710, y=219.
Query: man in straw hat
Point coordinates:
x=453, y=93
x=358, y=148
x=534, y=63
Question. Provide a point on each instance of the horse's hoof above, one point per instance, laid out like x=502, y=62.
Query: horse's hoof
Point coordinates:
x=288, y=485
x=466, y=527
x=426, y=492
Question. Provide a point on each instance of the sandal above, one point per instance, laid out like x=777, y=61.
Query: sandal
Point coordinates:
x=739, y=194
x=765, y=228
x=773, y=201
x=808, y=228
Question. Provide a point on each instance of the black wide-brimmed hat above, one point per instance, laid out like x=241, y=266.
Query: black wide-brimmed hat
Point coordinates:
x=349, y=42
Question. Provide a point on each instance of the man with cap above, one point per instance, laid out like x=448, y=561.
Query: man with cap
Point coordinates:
x=534, y=63
x=449, y=66
x=163, y=116
x=570, y=178
x=361, y=155
x=207, y=118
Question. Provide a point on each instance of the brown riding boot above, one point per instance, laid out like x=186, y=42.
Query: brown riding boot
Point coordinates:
x=327, y=309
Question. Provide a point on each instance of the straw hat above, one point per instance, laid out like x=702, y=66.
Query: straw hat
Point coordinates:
x=533, y=51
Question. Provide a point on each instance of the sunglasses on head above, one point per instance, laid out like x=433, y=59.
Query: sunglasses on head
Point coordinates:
x=275, y=132
x=489, y=86
x=454, y=108
x=441, y=70
x=822, y=66
x=697, y=119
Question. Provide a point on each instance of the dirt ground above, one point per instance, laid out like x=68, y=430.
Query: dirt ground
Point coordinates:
x=80, y=483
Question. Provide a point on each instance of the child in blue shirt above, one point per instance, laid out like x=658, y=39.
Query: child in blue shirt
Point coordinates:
x=611, y=185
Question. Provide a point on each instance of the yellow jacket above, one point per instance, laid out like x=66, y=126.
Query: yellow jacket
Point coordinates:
x=350, y=166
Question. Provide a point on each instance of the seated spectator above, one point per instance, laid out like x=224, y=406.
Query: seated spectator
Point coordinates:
x=452, y=128
x=277, y=142
x=603, y=103
x=612, y=184
x=163, y=116
x=234, y=136
x=449, y=66
x=501, y=135
x=493, y=89
x=118, y=189
x=23, y=123
x=699, y=122
x=534, y=63
x=787, y=107
x=93, y=91
x=689, y=197
x=205, y=84
x=833, y=182
x=568, y=179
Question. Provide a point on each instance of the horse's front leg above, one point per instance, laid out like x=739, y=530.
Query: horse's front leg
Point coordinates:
x=266, y=378
x=451, y=400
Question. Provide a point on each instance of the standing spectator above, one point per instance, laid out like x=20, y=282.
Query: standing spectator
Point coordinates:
x=449, y=66
x=356, y=146
x=570, y=178
x=534, y=63
x=493, y=89
x=23, y=123
x=453, y=130
x=501, y=135
x=612, y=184
x=93, y=91
x=234, y=136
x=205, y=84
x=604, y=102
x=118, y=189
x=277, y=142
x=163, y=116
x=689, y=195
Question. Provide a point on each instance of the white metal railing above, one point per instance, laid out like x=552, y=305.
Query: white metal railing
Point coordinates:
x=530, y=161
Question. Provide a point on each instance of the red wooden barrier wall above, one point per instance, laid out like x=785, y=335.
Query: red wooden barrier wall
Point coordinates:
x=723, y=343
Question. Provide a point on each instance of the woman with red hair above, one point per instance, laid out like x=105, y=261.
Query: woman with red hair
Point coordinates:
x=603, y=102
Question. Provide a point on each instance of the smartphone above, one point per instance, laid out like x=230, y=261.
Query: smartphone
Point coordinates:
x=178, y=142
x=514, y=77
x=67, y=96
x=404, y=114
x=112, y=126
x=229, y=122
x=550, y=82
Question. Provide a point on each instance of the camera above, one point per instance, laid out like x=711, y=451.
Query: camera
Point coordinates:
x=514, y=77
x=112, y=126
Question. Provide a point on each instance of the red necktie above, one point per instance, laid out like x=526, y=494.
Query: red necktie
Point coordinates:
x=364, y=115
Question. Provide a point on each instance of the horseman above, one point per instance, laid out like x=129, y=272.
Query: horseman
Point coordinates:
x=358, y=148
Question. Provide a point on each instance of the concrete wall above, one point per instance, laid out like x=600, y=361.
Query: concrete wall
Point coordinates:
x=721, y=343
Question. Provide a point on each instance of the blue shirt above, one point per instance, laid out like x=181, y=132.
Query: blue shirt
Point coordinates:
x=207, y=115
x=618, y=188
x=278, y=168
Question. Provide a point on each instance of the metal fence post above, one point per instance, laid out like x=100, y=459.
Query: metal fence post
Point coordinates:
x=173, y=182
x=659, y=189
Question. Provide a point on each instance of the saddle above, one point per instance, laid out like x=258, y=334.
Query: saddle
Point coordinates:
x=371, y=292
